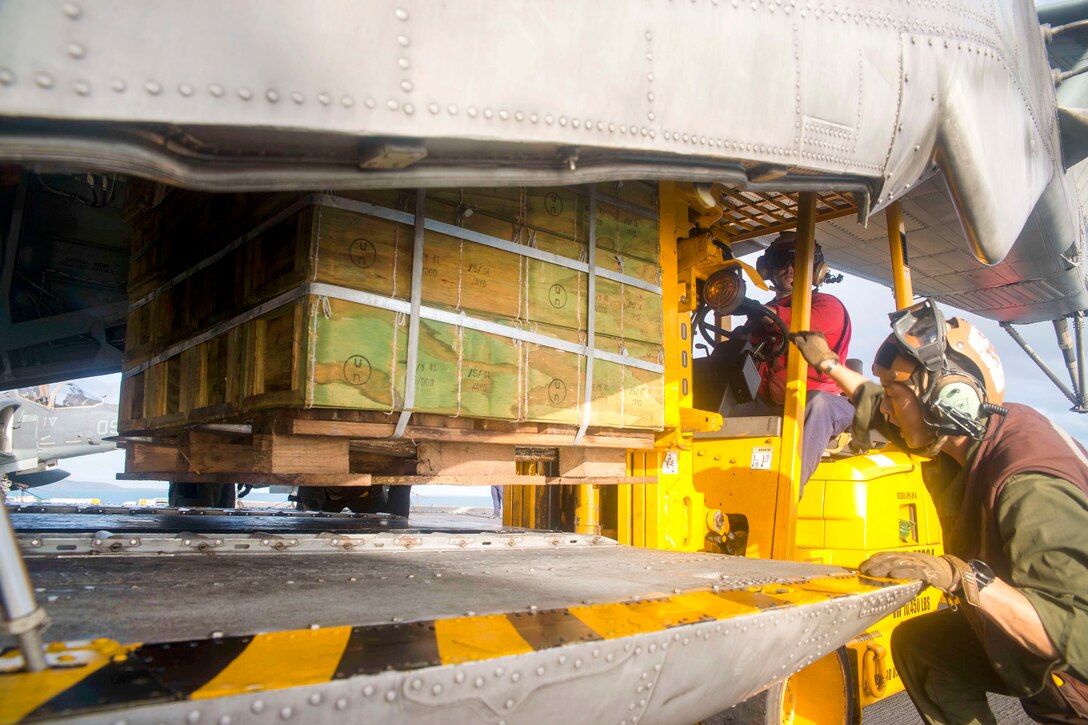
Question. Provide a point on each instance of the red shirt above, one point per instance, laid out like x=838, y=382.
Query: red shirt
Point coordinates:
x=830, y=317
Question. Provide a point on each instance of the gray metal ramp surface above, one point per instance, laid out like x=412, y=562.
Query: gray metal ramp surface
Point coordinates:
x=417, y=625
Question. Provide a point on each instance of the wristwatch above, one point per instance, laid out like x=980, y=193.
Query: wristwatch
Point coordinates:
x=984, y=575
x=828, y=365
x=975, y=577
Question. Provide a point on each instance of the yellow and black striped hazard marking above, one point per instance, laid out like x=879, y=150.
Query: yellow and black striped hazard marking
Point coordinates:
x=106, y=675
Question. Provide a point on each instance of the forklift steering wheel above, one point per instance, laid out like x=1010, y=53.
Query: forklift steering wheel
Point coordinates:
x=774, y=342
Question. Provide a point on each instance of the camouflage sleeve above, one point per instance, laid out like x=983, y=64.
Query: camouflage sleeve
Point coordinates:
x=867, y=418
x=1043, y=522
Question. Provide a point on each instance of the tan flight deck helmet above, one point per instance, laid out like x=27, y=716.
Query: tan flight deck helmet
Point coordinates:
x=950, y=366
x=780, y=253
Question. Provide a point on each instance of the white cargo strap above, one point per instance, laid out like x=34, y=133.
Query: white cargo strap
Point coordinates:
x=413, y=312
x=591, y=321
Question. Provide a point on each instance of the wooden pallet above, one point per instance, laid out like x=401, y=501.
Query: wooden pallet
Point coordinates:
x=376, y=430
x=223, y=456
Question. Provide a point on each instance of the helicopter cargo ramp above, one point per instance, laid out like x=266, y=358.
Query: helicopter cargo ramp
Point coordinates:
x=165, y=617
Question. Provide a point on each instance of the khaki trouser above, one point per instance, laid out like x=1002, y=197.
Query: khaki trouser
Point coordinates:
x=947, y=674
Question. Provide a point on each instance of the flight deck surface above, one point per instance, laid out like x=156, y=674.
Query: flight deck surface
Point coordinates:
x=117, y=519
x=230, y=616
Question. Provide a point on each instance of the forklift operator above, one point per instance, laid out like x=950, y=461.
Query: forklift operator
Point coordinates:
x=1011, y=490
x=827, y=413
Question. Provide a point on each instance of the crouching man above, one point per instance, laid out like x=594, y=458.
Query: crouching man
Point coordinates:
x=1012, y=495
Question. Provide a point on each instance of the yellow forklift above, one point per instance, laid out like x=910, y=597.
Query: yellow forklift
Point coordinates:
x=732, y=485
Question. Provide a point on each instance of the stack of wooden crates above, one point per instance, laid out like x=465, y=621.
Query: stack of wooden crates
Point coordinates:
x=254, y=302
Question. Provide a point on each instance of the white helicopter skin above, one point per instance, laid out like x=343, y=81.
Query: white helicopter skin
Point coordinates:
x=39, y=428
x=949, y=106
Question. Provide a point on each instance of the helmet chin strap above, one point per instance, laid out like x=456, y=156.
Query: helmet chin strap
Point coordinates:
x=931, y=449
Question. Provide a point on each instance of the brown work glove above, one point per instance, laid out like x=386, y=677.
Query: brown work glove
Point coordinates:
x=942, y=572
x=813, y=346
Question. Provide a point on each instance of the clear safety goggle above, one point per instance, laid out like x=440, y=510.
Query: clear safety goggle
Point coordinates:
x=919, y=329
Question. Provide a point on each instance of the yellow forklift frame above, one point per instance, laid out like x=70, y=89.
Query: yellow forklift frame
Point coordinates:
x=853, y=506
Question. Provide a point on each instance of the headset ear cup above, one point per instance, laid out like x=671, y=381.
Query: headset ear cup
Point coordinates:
x=819, y=273
x=762, y=267
x=958, y=392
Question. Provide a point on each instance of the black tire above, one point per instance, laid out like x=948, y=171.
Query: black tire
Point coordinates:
x=202, y=495
x=398, y=500
x=394, y=500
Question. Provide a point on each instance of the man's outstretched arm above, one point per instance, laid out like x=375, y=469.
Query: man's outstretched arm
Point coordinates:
x=815, y=350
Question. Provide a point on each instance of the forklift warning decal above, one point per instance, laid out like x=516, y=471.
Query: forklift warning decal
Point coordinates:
x=670, y=466
x=761, y=458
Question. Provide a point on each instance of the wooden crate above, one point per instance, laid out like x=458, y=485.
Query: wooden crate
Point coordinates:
x=627, y=231
x=556, y=221
x=330, y=353
x=465, y=372
x=185, y=227
x=319, y=352
x=640, y=194
x=346, y=248
x=626, y=214
x=501, y=211
x=276, y=259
